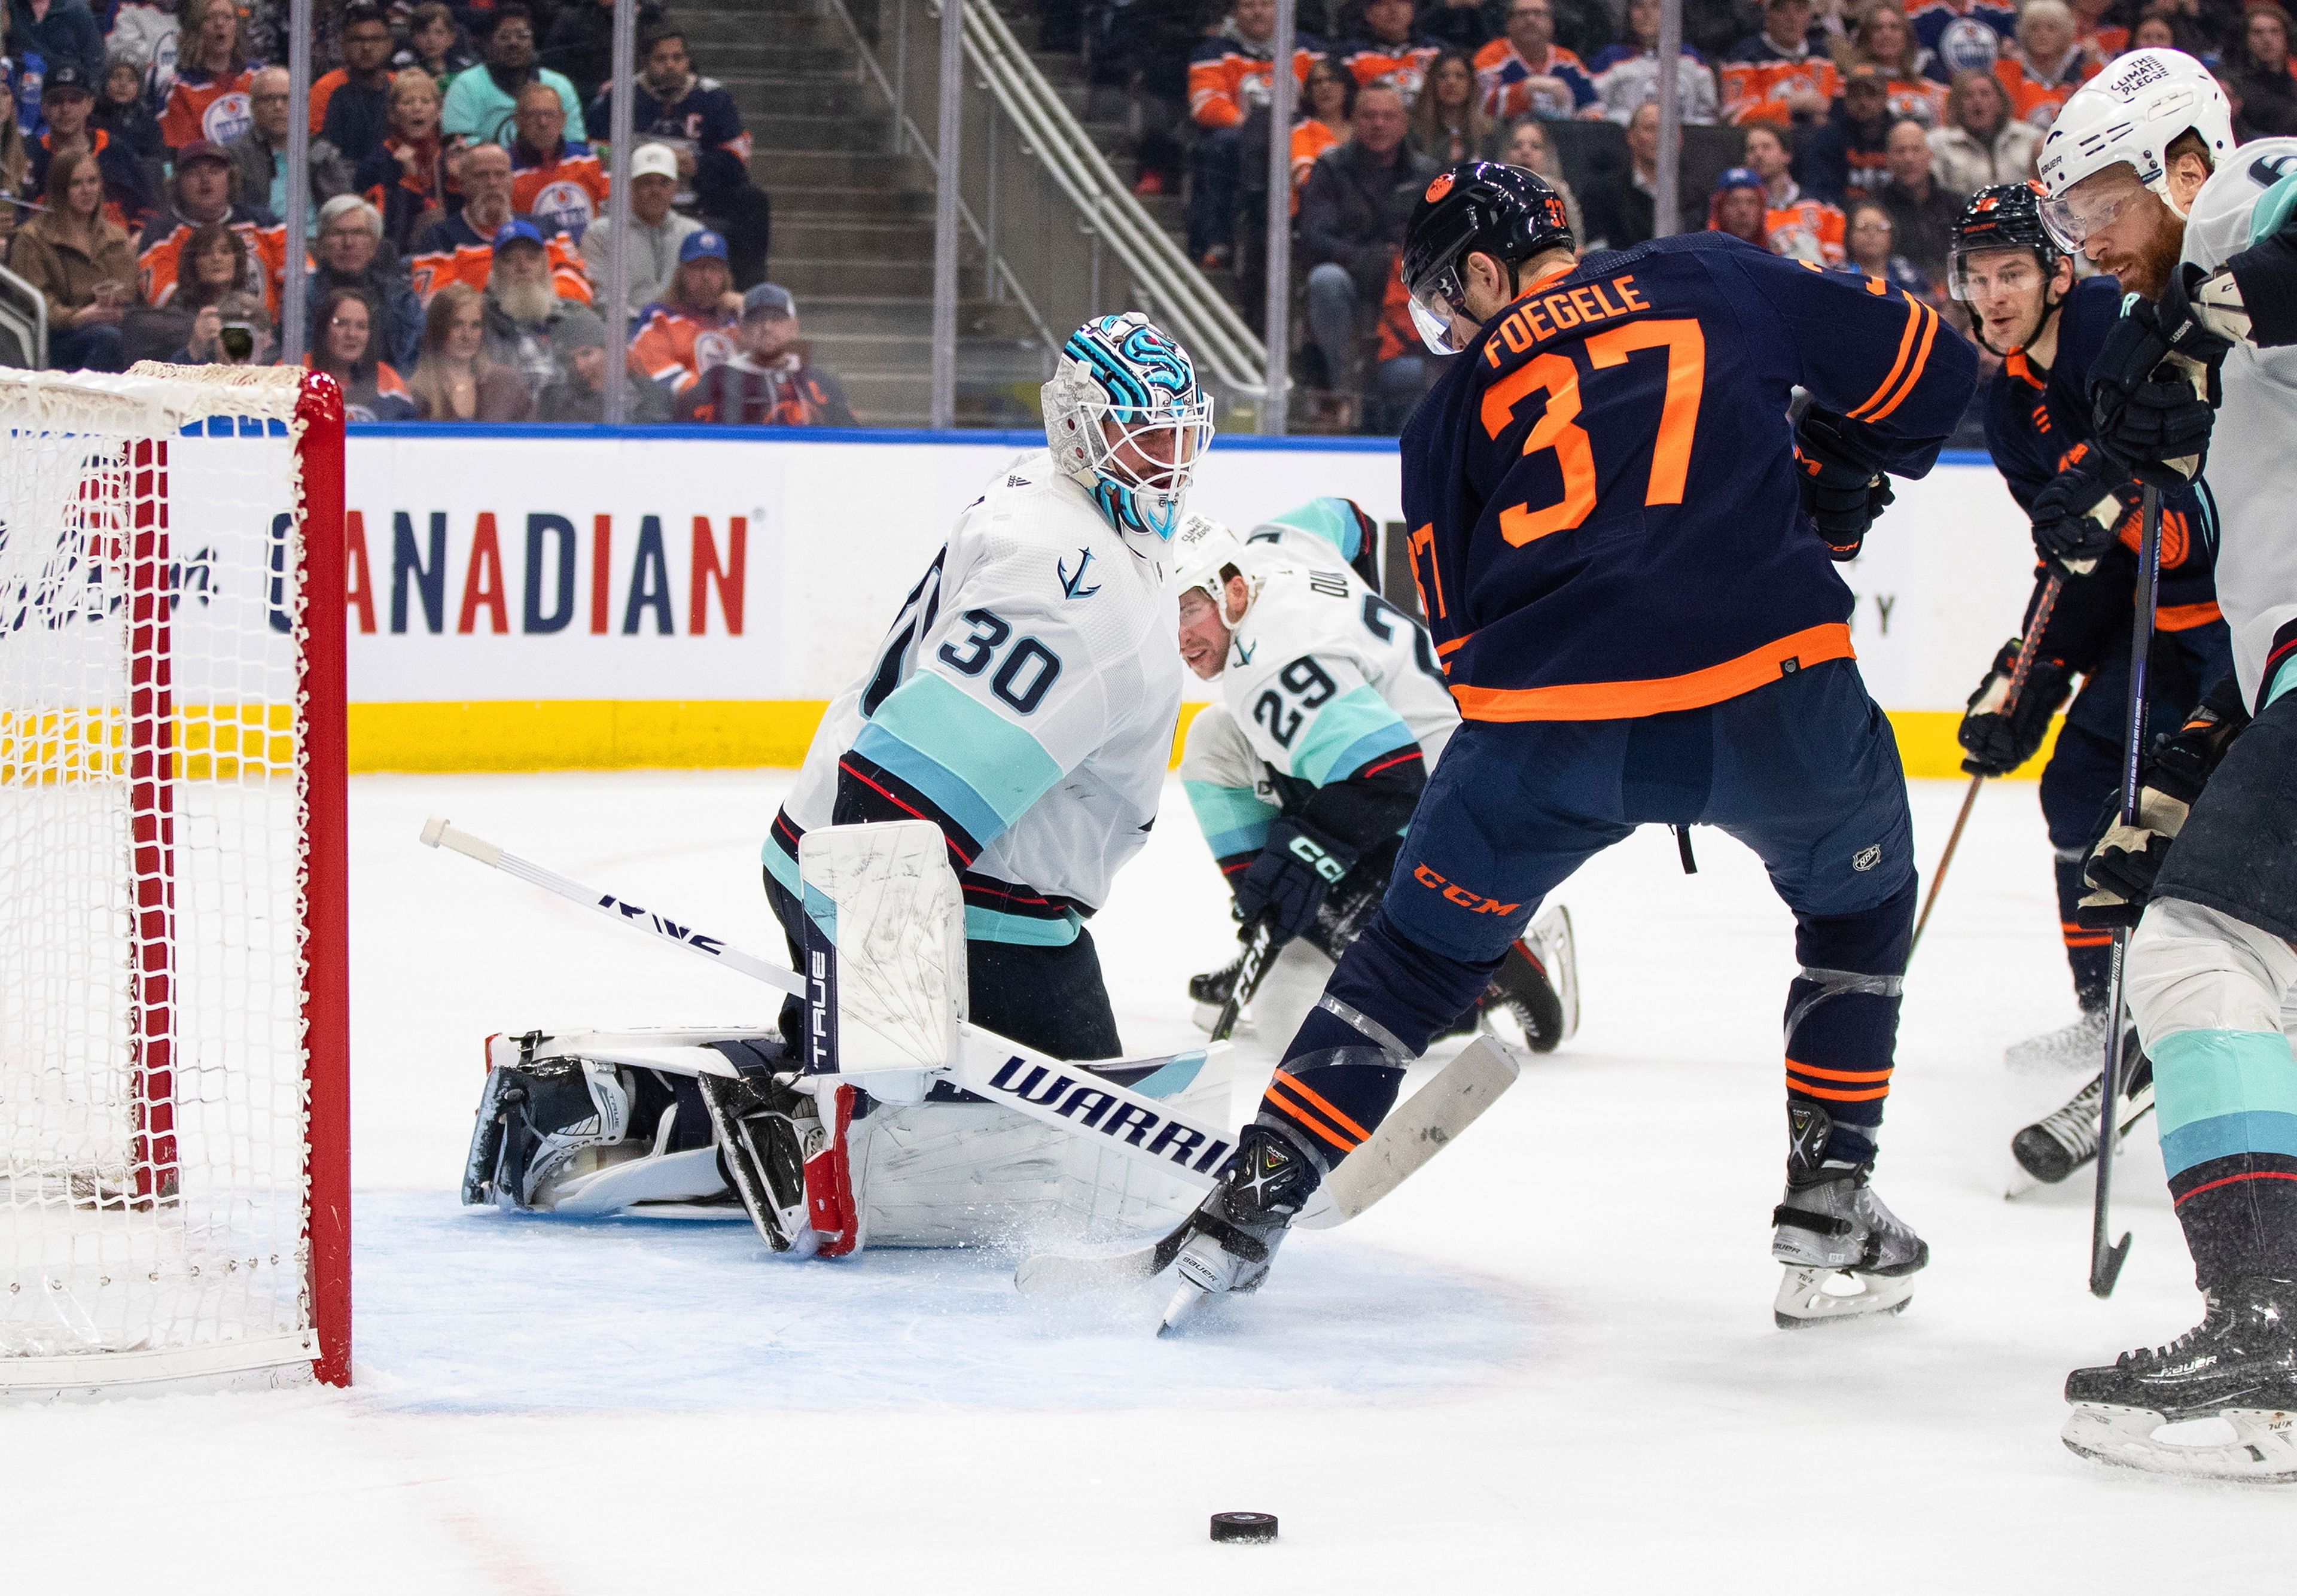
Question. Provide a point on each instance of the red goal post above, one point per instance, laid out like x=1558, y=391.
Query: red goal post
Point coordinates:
x=174, y=1040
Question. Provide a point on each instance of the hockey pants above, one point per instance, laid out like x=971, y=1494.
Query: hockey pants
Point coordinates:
x=1804, y=770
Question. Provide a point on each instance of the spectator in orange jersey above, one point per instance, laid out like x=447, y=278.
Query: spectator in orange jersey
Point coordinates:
x=1329, y=102
x=524, y=314
x=460, y=248
x=1229, y=76
x=680, y=338
x=2046, y=62
x=454, y=381
x=202, y=192
x=1795, y=224
x=350, y=106
x=210, y=101
x=1776, y=76
x=1885, y=39
x=1448, y=123
x=769, y=381
x=404, y=177
x=1390, y=51
x=554, y=179
x=1525, y=70
x=345, y=350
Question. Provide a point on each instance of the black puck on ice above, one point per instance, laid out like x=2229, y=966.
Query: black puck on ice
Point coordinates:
x=1250, y=1528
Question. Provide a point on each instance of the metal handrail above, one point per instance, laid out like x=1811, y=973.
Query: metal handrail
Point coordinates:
x=914, y=136
x=1204, y=323
x=35, y=321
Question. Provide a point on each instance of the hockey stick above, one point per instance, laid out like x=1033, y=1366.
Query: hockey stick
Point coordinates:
x=2105, y=1260
x=2009, y=701
x=1259, y=948
x=990, y=1066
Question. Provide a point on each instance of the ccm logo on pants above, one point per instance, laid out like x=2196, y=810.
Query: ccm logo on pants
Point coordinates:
x=1453, y=892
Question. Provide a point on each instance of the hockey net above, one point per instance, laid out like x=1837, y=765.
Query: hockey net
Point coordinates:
x=173, y=1168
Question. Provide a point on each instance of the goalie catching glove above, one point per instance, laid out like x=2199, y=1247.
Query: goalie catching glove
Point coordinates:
x=1998, y=735
x=1843, y=488
x=2125, y=860
x=1287, y=884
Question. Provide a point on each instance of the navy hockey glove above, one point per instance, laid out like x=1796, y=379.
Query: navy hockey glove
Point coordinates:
x=2255, y=296
x=1843, y=488
x=2153, y=391
x=1287, y=884
x=2077, y=512
x=2125, y=860
x=1998, y=735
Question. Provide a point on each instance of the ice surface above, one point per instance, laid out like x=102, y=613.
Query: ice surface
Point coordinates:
x=1545, y=1364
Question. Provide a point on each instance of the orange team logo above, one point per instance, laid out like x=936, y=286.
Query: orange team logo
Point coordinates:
x=1986, y=202
x=1441, y=186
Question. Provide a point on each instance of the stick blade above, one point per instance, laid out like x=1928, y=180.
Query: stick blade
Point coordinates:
x=1424, y=1125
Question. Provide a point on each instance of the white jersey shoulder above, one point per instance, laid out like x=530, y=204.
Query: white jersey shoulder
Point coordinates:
x=2252, y=474
x=1028, y=687
x=1323, y=676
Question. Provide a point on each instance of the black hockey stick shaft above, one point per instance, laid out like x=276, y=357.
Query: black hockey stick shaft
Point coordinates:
x=1259, y=948
x=2106, y=1258
x=2018, y=672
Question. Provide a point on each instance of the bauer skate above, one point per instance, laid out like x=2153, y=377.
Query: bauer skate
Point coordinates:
x=2054, y=1147
x=1848, y=1257
x=1235, y=1232
x=2238, y=1366
x=2067, y=1048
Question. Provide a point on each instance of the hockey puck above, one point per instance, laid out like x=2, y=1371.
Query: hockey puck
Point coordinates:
x=1249, y=1528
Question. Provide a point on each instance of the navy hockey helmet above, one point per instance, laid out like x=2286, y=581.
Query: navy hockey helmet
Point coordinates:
x=1471, y=207
x=2004, y=215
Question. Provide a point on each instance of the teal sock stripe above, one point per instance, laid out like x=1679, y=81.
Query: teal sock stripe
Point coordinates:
x=2222, y=1092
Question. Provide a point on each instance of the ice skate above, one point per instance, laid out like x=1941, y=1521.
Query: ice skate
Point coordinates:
x=1237, y=1229
x=2054, y=1147
x=1847, y=1255
x=1210, y=992
x=2078, y=1046
x=2238, y=1366
x=1538, y=982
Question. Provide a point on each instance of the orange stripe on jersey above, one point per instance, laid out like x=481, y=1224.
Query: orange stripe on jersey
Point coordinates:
x=2185, y=617
x=1305, y=1120
x=1929, y=318
x=1660, y=695
x=1340, y=1119
x=1869, y=1077
x=1905, y=346
x=1444, y=650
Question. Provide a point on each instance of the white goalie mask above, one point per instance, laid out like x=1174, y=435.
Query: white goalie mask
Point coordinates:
x=2130, y=114
x=1127, y=422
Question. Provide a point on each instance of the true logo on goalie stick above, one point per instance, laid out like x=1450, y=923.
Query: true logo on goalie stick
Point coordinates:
x=1104, y=1112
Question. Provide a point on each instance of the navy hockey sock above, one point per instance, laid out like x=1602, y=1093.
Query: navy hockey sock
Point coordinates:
x=2089, y=953
x=1842, y=1018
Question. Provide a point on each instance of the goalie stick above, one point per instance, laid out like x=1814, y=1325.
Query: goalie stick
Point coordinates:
x=1424, y=1125
x=1259, y=948
x=992, y=1067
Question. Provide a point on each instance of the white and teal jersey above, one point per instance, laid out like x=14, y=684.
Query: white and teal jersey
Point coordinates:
x=2252, y=473
x=1315, y=531
x=1027, y=691
x=1324, y=678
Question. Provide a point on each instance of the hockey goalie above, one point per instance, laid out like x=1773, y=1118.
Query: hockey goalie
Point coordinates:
x=960, y=816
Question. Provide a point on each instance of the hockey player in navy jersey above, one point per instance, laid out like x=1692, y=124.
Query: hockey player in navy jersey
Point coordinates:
x=2027, y=307
x=1627, y=557
x=1332, y=711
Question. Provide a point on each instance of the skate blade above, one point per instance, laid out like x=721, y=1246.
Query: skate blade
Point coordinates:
x=1809, y=1296
x=1183, y=1304
x=1206, y=1016
x=2263, y=1449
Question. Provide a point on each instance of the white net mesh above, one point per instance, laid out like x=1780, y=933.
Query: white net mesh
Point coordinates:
x=153, y=815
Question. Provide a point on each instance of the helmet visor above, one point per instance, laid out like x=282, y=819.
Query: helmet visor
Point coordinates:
x=1434, y=303
x=2074, y=217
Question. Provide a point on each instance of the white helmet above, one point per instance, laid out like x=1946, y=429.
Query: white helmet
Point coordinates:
x=1204, y=553
x=1121, y=384
x=2131, y=112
